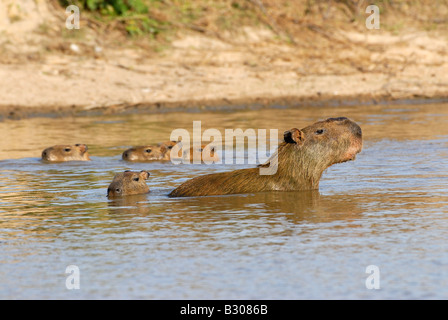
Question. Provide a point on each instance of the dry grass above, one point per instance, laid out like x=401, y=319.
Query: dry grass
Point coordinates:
x=288, y=19
x=316, y=28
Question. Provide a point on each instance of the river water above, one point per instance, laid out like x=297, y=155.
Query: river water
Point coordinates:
x=388, y=209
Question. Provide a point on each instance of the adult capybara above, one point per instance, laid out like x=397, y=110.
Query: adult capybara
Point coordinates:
x=302, y=158
x=162, y=151
x=128, y=183
x=60, y=153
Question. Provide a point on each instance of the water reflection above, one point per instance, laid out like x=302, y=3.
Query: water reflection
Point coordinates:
x=111, y=135
x=295, y=207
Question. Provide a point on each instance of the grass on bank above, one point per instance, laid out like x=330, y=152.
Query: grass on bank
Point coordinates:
x=156, y=18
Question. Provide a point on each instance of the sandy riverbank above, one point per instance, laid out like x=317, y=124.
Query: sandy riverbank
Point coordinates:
x=45, y=75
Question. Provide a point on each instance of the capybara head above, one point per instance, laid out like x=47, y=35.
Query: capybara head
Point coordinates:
x=59, y=153
x=327, y=142
x=203, y=152
x=147, y=153
x=128, y=183
x=308, y=152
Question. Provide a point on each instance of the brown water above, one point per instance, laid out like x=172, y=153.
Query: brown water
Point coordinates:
x=387, y=208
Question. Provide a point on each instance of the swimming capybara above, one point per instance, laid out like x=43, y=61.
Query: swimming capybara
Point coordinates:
x=162, y=151
x=60, y=153
x=128, y=183
x=302, y=158
x=206, y=153
x=147, y=153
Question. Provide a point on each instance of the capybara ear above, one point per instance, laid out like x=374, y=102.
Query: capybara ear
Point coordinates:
x=82, y=147
x=144, y=174
x=294, y=136
x=163, y=149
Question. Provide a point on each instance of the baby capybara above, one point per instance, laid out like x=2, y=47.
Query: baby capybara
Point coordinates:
x=162, y=151
x=128, y=183
x=147, y=153
x=60, y=153
x=302, y=158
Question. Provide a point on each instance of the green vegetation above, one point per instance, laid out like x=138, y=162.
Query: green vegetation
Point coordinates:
x=284, y=17
x=111, y=7
x=133, y=14
x=155, y=17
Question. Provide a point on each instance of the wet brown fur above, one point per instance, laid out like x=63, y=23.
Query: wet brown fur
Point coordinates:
x=61, y=153
x=302, y=158
x=162, y=151
x=128, y=183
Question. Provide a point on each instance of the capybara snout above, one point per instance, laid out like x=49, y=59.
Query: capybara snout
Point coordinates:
x=354, y=127
x=60, y=153
x=128, y=183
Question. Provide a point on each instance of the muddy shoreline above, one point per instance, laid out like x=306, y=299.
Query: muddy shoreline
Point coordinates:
x=219, y=105
x=202, y=74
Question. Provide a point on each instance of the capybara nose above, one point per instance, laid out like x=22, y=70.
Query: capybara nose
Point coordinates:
x=357, y=130
x=125, y=155
x=111, y=191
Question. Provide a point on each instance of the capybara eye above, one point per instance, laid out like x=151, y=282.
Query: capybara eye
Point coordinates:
x=135, y=179
x=67, y=149
x=148, y=150
x=77, y=144
x=118, y=190
x=170, y=147
x=320, y=131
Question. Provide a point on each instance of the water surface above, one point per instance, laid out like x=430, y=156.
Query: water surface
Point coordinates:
x=387, y=208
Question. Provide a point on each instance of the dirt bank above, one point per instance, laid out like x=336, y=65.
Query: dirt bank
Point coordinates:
x=46, y=72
